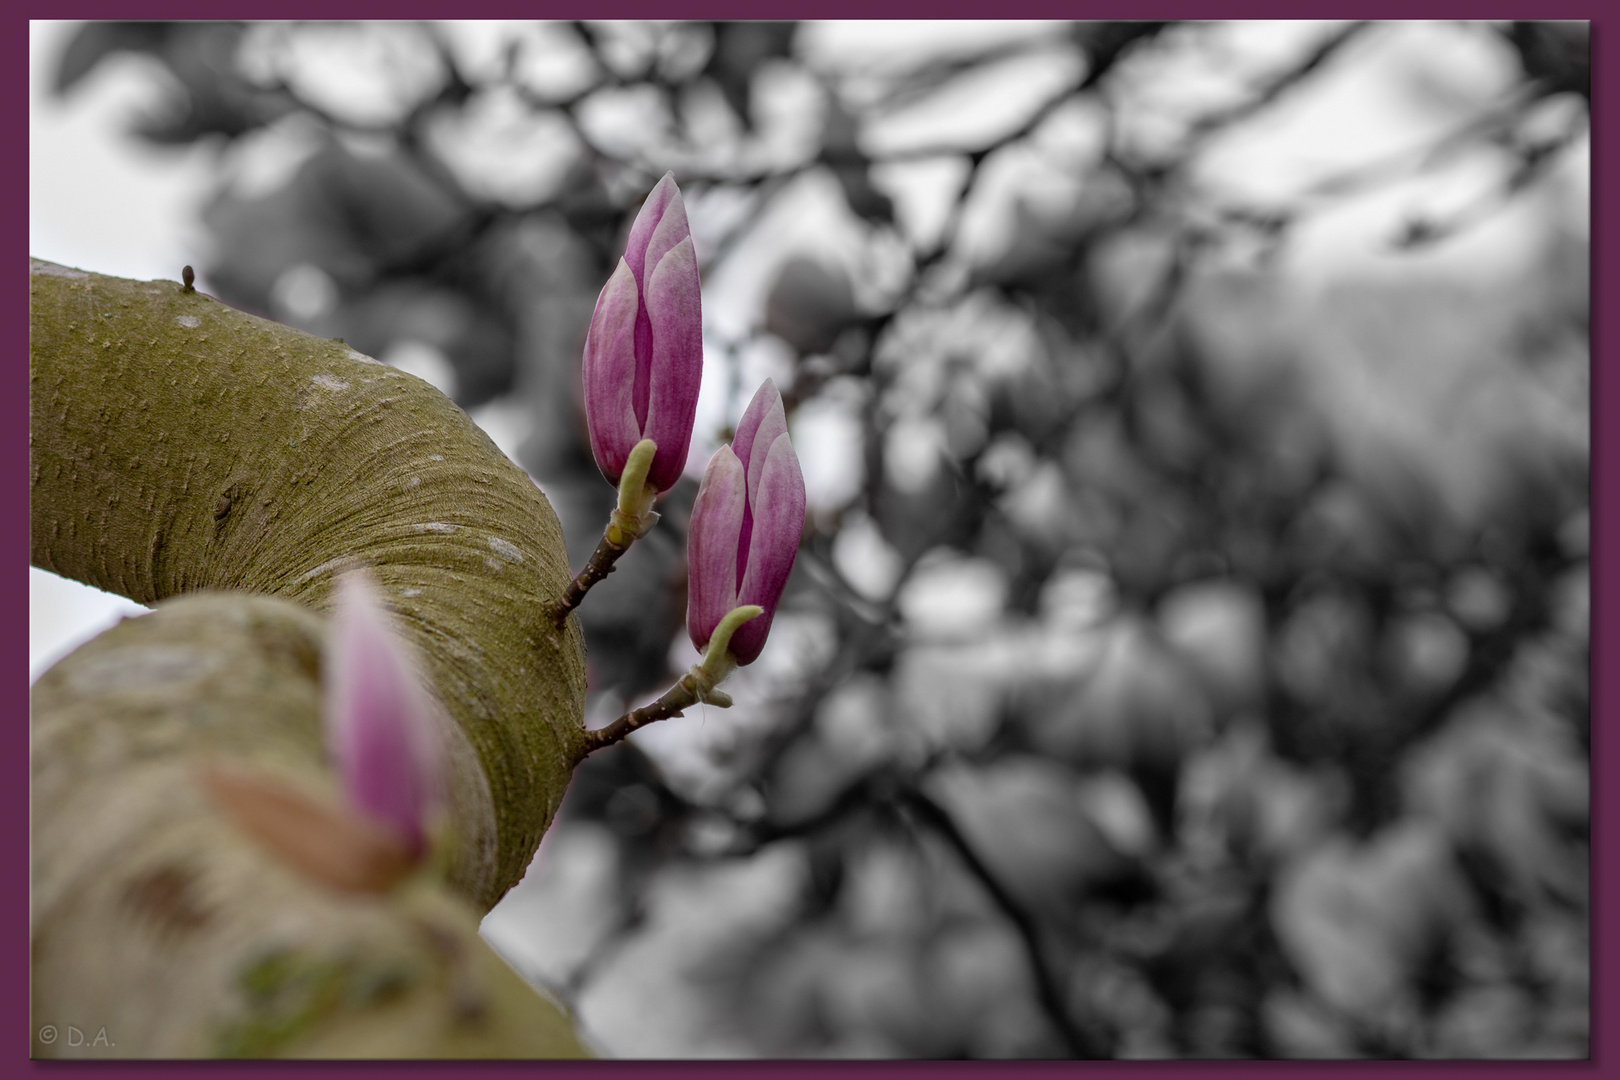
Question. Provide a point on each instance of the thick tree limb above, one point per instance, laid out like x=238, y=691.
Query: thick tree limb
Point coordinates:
x=178, y=446
x=159, y=922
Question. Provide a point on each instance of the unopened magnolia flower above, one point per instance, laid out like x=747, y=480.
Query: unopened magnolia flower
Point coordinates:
x=378, y=724
x=745, y=528
x=644, y=350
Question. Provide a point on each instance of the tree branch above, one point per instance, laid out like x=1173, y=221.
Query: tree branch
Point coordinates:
x=180, y=447
x=1082, y=1042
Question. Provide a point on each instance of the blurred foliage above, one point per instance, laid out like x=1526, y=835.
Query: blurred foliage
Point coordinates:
x=1190, y=664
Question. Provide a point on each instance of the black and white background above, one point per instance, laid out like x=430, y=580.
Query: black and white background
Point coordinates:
x=1188, y=651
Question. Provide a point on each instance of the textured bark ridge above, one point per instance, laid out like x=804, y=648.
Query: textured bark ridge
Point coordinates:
x=180, y=446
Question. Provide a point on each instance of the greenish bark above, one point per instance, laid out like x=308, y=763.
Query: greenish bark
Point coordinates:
x=179, y=446
x=157, y=921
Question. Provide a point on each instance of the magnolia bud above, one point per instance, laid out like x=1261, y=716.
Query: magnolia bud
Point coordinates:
x=745, y=529
x=644, y=351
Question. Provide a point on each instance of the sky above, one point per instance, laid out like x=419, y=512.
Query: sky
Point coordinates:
x=101, y=201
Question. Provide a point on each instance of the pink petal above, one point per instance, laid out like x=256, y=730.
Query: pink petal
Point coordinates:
x=608, y=373
x=711, y=546
x=378, y=724
x=674, y=304
x=646, y=224
x=766, y=403
x=773, y=547
x=772, y=426
x=671, y=230
x=760, y=425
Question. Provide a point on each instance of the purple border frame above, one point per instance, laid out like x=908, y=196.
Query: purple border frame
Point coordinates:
x=14, y=952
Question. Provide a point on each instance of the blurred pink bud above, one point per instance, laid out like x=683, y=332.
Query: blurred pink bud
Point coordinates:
x=644, y=350
x=745, y=527
x=378, y=723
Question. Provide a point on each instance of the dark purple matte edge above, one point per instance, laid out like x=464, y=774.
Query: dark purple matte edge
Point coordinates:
x=1606, y=752
x=14, y=584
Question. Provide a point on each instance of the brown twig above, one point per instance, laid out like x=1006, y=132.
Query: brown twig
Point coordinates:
x=630, y=519
x=677, y=698
x=600, y=566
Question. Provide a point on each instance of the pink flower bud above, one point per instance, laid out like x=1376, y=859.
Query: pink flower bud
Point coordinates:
x=644, y=350
x=745, y=527
x=378, y=723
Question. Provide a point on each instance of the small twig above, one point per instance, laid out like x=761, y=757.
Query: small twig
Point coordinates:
x=600, y=566
x=698, y=684
x=631, y=518
x=677, y=698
